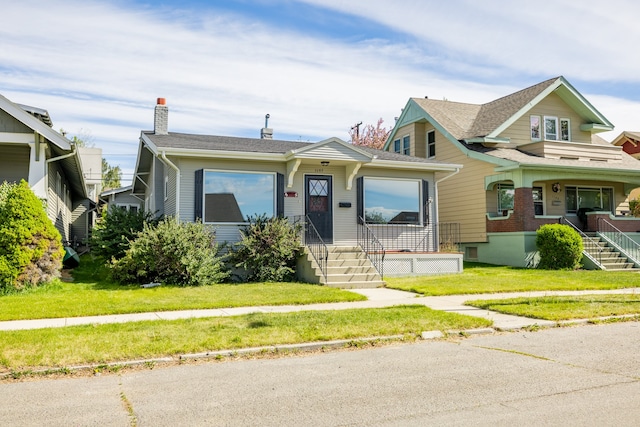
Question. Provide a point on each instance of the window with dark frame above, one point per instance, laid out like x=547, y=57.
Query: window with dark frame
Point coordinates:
x=431, y=144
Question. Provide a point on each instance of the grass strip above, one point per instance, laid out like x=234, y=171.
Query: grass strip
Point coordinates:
x=58, y=347
x=557, y=308
x=482, y=278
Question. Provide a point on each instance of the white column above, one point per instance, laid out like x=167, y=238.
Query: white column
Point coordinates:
x=38, y=168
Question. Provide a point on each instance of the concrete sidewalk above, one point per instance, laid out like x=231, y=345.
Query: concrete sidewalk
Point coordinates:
x=377, y=298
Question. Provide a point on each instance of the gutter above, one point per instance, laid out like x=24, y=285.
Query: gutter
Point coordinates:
x=436, y=235
x=168, y=162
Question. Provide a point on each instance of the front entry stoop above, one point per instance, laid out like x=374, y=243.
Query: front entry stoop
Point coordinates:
x=348, y=267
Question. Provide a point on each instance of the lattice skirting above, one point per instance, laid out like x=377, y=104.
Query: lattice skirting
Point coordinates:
x=406, y=264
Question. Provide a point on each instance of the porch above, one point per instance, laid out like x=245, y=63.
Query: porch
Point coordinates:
x=390, y=249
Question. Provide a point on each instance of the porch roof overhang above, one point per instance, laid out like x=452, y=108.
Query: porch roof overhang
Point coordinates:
x=526, y=175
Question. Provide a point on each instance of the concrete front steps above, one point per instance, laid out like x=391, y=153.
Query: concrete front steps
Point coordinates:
x=610, y=258
x=348, y=267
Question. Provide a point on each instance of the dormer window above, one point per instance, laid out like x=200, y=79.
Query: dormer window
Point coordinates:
x=554, y=129
x=550, y=128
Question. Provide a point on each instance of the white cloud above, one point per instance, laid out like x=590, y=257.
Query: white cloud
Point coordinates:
x=100, y=66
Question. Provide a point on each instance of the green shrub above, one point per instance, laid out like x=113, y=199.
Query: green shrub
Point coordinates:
x=113, y=234
x=634, y=207
x=268, y=249
x=560, y=247
x=173, y=253
x=30, y=246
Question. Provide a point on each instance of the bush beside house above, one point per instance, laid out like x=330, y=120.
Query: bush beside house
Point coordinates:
x=560, y=247
x=170, y=252
x=113, y=234
x=31, y=248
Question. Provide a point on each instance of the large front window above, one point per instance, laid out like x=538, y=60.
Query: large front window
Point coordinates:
x=391, y=201
x=589, y=198
x=235, y=196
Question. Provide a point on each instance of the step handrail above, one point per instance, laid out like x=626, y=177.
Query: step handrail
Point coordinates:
x=592, y=243
x=618, y=239
x=371, y=246
x=316, y=245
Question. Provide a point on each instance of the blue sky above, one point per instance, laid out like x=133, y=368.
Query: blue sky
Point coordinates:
x=316, y=66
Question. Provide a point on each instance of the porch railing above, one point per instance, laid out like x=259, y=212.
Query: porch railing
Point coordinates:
x=448, y=236
x=371, y=245
x=314, y=243
x=403, y=237
x=591, y=246
x=622, y=242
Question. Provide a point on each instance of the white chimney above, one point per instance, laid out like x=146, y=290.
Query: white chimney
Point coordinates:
x=161, y=118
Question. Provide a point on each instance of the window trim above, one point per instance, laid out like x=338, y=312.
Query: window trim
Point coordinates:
x=406, y=145
x=166, y=186
x=506, y=186
x=555, y=120
x=568, y=129
x=539, y=137
x=233, y=171
x=431, y=144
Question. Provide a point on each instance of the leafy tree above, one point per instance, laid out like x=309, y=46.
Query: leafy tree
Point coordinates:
x=371, y=136
x=174, y=253
x=30, y=246
x=111, y=175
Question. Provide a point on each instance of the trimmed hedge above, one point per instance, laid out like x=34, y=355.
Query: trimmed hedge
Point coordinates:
x=31, y=248
x=560, y=247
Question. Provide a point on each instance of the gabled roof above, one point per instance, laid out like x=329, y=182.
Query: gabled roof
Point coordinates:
x=468, y=122
x=32, y=122
x=626, y=136
x=39, y=121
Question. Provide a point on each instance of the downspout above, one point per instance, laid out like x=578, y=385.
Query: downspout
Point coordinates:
x=168, y=162
x=436, y=235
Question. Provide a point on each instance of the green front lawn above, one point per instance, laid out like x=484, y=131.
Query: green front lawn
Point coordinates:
x=482, y=278
x=564, y=307
x=92, y=294
x=60, y=347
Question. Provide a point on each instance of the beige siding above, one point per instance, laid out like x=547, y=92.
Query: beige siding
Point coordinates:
x=14, y=162
x=552, y=105
x=462, y=198
x=8, y=123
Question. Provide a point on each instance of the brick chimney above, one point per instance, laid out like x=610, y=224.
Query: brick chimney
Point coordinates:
x=161, y=118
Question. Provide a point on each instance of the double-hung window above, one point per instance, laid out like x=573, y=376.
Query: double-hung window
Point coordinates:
x=396, y=146
x=431, y=144
x=406, y=145
x=565, y=130
x=535, y=128
x=550, y=128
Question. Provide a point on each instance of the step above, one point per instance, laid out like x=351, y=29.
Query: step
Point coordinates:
x=360, y=269
x=357, y=285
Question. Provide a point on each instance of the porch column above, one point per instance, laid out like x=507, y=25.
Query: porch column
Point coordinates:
x=38, y=168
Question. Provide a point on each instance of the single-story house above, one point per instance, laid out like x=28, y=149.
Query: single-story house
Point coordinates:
x=121, y=198
x=529, y=158
x=350, y=198
x=31, y=150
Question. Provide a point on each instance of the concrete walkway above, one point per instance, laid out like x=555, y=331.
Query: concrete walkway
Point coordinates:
x=377, y=298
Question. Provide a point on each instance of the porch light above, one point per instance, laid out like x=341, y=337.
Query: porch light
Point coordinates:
x=324, y=163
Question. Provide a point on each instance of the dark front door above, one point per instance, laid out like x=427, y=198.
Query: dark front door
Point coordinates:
x=318, y=205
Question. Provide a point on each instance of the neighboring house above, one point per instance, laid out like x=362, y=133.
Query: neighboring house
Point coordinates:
x=224, y=180
x=529, y=158
x=630, y=143
x=121, y=198
x=31, y=150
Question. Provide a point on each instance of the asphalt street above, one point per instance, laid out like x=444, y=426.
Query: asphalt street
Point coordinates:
x=583, y=376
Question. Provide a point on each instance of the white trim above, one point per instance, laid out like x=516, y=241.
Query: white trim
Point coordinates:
x=531, y=117
x=544, y=127
x=568, y=129
x=385, y=178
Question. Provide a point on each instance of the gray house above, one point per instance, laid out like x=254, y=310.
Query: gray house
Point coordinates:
x=31, y=150
x=353, y=200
